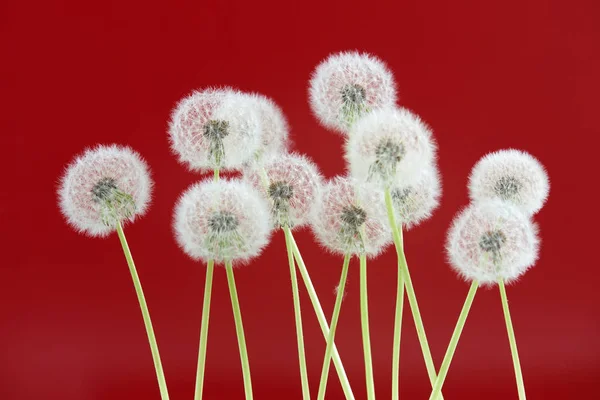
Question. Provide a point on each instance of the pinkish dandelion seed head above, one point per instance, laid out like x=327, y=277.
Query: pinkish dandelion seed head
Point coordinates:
x=348, y=84
x=275, y=129
x=491, y=240
x=103, y=186
x=415, y=202
x=223, y=220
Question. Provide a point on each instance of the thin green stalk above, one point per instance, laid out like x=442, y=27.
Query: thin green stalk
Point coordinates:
x=216, y=174
x=512, y=340
x=239, y=329
x=410, y=291
x=162, y=384
x=364, y=320
x=337, y=362
x=334, y=320
x=204, y=330
x=397, y=335
x=437, y=386
x=298, y=314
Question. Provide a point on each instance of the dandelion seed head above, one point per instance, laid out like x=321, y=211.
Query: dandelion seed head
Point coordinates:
x=346, y=85
x=223, y=220
x=389, y=145
x=415, y=202
x=292, y=188
x=215, y=128
x=275, y=128
x=105, y=185
x=350, y=218
x=510, y=175
x=491, y=240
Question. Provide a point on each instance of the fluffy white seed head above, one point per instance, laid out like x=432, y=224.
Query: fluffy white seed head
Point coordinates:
x=215, y=128
x=510, y=175
x=292, y=185
x=351, y=218
x=491, y=240
x=415, y=202
x=389, y=145
x=224, y=220
x=103, y=186
x=275, y=129
x=348, y=84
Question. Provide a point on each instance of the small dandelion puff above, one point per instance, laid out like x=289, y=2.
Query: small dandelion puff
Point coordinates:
x=275, y=129
x=389, y=145
x=347, y=85
x=350, y=218
x=104, y=186
x=492, y=240
x=224, y=220
x=215, y=129
x=415, y=202
x=510, y=175
x=293, y=187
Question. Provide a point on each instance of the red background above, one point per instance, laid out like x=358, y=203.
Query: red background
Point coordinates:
x=484, y=75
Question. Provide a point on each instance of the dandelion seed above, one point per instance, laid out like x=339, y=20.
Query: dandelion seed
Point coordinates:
x=415, y=202
x=275, y=129
x=215, y=129
x=225, y=220
x=492, y=240
x=104, y=186
x=347, y=85
x=510, y=175
x=389, y=145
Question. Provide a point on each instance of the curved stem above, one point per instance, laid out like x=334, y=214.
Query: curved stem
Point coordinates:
x=364, y=319
x=410, y=291
x=337, y=362
x=204, y=330
x=162, y=384
x=331, y=336
x=298, y=315
x=239, y=329
x=512, y=340
x=397, y=335
x=437, y=387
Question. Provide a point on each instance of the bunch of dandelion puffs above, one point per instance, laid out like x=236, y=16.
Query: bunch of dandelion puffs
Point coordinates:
x=494, y=240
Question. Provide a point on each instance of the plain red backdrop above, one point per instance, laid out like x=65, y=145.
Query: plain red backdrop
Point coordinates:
x=484, y=75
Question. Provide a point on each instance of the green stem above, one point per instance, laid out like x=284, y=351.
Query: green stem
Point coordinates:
x=204, y=330
x=512, y=340
x=337, y=362
x=331, y=336
x=397, y=335
x=437, y=386
x=298, y=315
x=162, y=384
x=239, y=329
x=364, y=319
x=216, y=174
x=410, y=291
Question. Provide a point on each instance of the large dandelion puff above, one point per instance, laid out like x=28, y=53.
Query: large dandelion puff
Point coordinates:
x=389, y=145
x=215, y=129
x=222, y=221
x=492, y=240
x=104, y=186
x=348, y=84
x=275, y=129
x=415, y=202
x=350, y=218
x=292, y=185
x=510, y=175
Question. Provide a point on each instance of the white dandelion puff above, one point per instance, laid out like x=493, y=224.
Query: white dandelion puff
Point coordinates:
x=492, y=240
x=215, y=129
x=510, y=175
x=389, y=145
x=292, y=187
x=275, y=128
x=415, y=202
x=104, y=186
x=351, y=218
x=226, y=220
x=348, y=84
